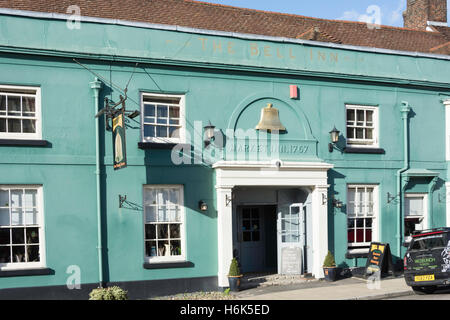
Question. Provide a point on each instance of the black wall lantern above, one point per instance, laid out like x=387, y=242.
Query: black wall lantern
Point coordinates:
x=334, y=136
x=209, y=133
x=202, y=205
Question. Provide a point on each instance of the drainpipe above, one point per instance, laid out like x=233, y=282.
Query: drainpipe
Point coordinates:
x=405, y=109
x=96, y=86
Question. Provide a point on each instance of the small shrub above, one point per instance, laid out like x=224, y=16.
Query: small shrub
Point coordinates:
x=111, y=293
x=234, y=269
x=329, y=260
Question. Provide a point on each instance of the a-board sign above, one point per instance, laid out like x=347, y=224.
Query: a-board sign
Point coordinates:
x=119, y=145
x=379, y=259
x=291, y=260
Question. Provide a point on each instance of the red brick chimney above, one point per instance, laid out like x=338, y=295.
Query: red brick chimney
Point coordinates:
x=420, y=14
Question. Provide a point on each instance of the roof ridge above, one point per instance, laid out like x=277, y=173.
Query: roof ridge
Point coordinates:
x=298, y=15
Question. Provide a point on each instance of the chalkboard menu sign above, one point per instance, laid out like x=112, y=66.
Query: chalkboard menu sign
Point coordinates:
x=379, y=259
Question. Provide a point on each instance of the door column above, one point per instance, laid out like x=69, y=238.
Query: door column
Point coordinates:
x=320, y=228
x=225, y=233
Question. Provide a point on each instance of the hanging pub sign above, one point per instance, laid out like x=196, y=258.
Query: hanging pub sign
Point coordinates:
x=379, y=259
x=119, y=146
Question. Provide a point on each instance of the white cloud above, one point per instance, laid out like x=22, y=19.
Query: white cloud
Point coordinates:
x=396, y=15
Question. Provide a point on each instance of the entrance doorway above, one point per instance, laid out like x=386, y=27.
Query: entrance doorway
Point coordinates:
x=271, y=230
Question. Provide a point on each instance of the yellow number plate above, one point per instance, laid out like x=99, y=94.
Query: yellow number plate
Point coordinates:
x=428, y=277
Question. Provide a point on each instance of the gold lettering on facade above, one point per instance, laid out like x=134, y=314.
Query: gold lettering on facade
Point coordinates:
x=334, y=57
x=230, y=48
x=267, y=51
x=217, y=46
x=290, y=54
x=254, y=49
x=279, y=54
x=321, y=56
x=203, y=40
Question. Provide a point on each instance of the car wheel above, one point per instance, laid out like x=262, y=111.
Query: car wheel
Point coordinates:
x=424, y=290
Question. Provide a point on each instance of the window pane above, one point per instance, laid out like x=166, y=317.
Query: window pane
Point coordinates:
x=16, y=198
x=163, y=248
x=174, y=112
x=33, y=253
x=359, y=133
x=150, y=231
x=4, y=217
x=2, y=105
x=351, y=115
x=149, y=110
x=3, y=125
x=161, y=121
x=17, y=216
x=162, y=111
x=255, y=235
x=28, y=106
x=350, y=133
x=150, y=248
x=31, y=216
x=175, y=231
x=174, y=132
x=18, y=235
x=30, y=198
x=149, y=131
x=13, y=105
x=150, y=214
x=14, y=125
x=161, y=131
x=368, y=235
x=149, y=196
x=359, y=235
x=369, y=133
x=5, y=236
x=360, y=116
x=359, y=223
x=163, y=231
x=350, y=223
x=173, y=196
x=246, y=225
x=369, y=115
x=246, y=236
x=18, y=253
x=175, y=247
x=32, y=235
x=29, y=126
x=5, y=254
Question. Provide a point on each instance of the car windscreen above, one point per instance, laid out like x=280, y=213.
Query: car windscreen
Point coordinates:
x=428, y=242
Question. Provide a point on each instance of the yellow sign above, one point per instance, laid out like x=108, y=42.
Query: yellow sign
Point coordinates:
x=428, y=277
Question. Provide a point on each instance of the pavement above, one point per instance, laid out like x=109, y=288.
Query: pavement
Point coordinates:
x=354, y=288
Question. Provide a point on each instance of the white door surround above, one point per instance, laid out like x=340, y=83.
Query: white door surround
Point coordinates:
x=230, y=174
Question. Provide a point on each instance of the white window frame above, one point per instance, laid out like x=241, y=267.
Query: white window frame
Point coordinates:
x=424, y=221
x=182, y=118
x=179, y=258
x=40, y=218
x=363, y=143
x=355, y=247
x=23, y=91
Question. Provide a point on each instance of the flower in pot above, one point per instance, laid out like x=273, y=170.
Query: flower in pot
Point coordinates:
x=234, y=275
x=329, y=267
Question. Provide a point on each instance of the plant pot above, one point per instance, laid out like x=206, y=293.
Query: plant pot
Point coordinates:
x=330, y=273
x=235, y=283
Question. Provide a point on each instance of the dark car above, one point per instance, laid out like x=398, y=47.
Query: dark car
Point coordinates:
x=427, y=260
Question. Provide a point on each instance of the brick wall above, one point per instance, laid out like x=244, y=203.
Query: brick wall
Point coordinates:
x=418, y=12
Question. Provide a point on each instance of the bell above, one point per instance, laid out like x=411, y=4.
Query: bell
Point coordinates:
x=270, y=120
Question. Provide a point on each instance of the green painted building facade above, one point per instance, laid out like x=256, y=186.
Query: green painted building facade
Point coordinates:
x=225, y=79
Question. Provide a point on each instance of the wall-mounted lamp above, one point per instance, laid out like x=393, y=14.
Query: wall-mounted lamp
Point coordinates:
x=337, y=203
x=202, y=205
x=209, y=133
x=334, y=137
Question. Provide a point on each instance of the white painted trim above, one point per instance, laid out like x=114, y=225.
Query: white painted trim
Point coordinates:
x=30, y=91
x=246, y=36
x=182, y=105
x=231, y=174
x=41, y=227
x=361, y=143
x=183, y=241
x=437, y=24
x=447, y=129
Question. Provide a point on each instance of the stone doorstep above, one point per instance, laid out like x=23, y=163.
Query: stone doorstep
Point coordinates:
x=264, y=280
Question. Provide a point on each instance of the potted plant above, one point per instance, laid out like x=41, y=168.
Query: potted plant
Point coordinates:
x=234, y=275
x=329, y=267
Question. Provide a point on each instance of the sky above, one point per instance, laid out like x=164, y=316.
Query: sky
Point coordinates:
x=385, y=12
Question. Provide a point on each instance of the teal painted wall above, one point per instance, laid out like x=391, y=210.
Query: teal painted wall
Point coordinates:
x=228, y=98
